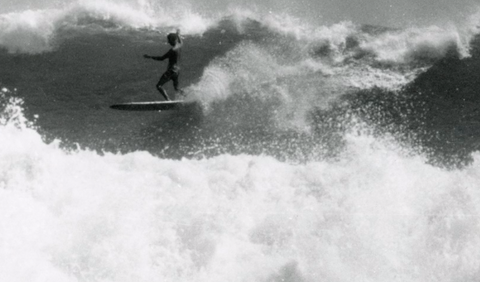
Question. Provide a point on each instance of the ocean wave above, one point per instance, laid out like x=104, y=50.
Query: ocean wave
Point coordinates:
x=304, y=72
x=258, y=76
x=34, y=31
x=323, y=62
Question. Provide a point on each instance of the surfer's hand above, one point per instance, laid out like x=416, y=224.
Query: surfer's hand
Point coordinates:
x=146, y=56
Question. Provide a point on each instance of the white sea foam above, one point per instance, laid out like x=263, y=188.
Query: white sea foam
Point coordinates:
x=374, y=214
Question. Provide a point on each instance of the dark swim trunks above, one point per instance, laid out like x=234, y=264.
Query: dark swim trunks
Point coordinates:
x=169, y=75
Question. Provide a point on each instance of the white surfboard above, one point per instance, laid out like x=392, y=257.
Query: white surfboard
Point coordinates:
x=151, y=106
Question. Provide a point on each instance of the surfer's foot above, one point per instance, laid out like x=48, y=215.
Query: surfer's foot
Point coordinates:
x=163, y=92
x=167, y=98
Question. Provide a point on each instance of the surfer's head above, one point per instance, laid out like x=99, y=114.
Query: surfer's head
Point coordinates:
x=172, y=38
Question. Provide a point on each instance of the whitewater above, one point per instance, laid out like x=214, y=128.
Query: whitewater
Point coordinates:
x=317, y=150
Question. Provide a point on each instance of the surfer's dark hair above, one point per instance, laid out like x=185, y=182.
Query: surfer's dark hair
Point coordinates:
x=172, y=37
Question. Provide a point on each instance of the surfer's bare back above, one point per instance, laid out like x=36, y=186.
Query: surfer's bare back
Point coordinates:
x=173, y=69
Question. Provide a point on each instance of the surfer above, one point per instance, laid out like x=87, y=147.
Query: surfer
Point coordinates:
x=173, y=69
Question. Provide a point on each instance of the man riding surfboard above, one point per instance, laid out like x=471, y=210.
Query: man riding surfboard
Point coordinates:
x=173, y=69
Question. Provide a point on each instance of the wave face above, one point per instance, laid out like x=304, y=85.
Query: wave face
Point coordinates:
x=314, y=152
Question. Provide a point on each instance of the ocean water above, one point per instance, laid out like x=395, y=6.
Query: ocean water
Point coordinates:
x=314, y=151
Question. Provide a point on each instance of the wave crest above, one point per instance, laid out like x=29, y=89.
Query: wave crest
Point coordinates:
x=33, y=31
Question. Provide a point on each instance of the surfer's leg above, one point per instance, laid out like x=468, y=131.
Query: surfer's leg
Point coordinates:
x=176, y=83
x=174, y=78
x=164, y=79
x=163, y=92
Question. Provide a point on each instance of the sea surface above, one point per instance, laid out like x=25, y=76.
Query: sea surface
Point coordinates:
x=312, y=152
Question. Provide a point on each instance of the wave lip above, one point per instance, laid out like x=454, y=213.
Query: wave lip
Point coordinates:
x=33, y=31
x=415, y=44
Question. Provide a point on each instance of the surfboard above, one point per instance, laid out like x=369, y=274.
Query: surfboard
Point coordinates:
x=151, y=106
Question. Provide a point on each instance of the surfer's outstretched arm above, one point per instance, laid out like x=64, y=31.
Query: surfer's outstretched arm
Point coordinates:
x=179, y=42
